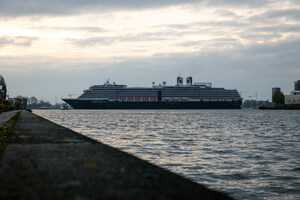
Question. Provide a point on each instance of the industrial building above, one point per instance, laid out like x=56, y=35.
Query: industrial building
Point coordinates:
x=294, y=97
x=275, y=89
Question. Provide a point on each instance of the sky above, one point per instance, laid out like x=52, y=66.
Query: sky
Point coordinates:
x=50, y=49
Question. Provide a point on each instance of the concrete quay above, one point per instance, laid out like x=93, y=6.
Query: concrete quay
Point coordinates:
x=46, y=161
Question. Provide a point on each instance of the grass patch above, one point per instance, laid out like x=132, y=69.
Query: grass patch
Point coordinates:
x=6, y=131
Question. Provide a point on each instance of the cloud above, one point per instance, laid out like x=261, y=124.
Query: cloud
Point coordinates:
x=276, y=16
x=214, y=41
x=287, y=28
x=215, y=25
x=92, y=29
x=282, y=55
x=259, y=36
x=285, y=50
x=256, y=67
x=225, y=13
x=59, y=7
x=220, y=41
x=238, y=3
x=95, y=41
x=17, y=41
x=126, y=38
x=287, y=13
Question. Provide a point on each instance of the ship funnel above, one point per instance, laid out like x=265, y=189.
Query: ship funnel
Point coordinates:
x=179, y=81
x=189, y=81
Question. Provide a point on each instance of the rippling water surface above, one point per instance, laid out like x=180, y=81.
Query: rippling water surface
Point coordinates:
x=249, y=154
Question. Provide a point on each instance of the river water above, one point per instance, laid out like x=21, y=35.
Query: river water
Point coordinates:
x=248, y=154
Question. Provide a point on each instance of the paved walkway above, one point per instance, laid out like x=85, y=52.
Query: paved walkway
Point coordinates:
x=47, y=161
x=6, y=116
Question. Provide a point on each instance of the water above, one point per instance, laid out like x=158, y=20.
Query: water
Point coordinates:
x=248, y=154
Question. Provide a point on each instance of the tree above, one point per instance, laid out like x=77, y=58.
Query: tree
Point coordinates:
x=33, y=100
x=3, y=89
x=278, y=97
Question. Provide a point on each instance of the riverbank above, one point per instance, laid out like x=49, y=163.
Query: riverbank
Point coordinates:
x=281, y=107
x=46, y=161
x=7, y=122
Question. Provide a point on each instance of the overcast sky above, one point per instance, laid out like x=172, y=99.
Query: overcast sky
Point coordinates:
x=52, y=48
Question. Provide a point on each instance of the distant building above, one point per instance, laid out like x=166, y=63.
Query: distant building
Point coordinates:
x=294, y=97
x=297, y=85
x=275, y=89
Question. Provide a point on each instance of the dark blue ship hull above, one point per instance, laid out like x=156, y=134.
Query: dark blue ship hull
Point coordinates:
x=95, y=104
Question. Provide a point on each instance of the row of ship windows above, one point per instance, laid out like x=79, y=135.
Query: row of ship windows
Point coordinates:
x=163, y=94
x=133, y=96
x=155, y=92
x=163, y=97
x=162, y=89
x=172, y=100
x=154, y=95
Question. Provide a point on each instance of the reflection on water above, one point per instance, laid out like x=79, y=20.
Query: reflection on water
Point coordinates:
x=249, y=154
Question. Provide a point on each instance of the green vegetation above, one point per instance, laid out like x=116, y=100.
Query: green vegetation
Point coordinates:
x=278, y=97
x=35, y=103
x=6, y=130
x=6, y=107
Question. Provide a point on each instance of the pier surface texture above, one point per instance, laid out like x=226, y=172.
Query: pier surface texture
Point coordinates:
x=46, y=161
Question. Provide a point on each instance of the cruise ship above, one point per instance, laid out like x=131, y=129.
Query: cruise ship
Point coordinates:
x=162, y=96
